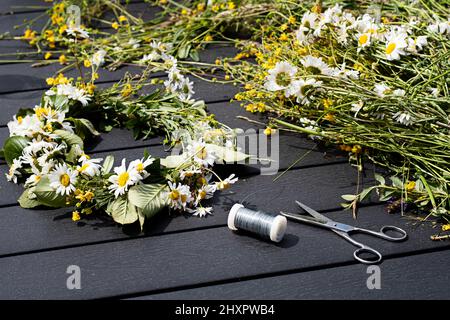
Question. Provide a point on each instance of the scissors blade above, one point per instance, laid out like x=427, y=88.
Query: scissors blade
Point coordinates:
x=313, y=212
x=305, y=219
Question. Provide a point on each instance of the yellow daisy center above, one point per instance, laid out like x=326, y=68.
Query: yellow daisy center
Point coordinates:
x=183, y=198
x=140, y=167
x=174, y=195
x=64, y=179
x=390, y=48
x=123, y=178
x=19, y=119
x=363, y=39
x=201, y=153
x=83, y=167
x=202, y=194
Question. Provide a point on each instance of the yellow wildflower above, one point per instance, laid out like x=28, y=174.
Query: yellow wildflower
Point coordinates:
x=208, y=38
x=201, y=6
x=50, y=81
x=123, y=19
x=127, y=90
x=292, y=20
x=62, y=59
x=410, y=186
x=356, y=149
x=87, y=63
x=115, y=25
x=76, y=216
x=231, y=5
x=62, y=29
x=269, y=131
x=446, y=227
x=215, y=8
x=47, y=55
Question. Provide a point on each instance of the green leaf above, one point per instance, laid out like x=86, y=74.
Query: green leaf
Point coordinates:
x=380, y=179
x=365, y=193
x=173, y=161
x=72, y=155
x=13, y=148
x=69, y=137
x=183, y=52
x=193, y=54
x=47, y=196
x=108, y=164
x=396, y=182
x=122, y=211
x=226, y=154
x=61, y=102
x=28, y=199
x=348, y=197
x=148, y=197
x=83, y=127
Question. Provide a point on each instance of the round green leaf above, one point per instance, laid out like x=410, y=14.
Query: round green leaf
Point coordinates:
x=13, y=148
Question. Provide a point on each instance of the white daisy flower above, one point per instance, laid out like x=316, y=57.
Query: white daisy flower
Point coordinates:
x=205, y=192
x=90, y=167
x=189, y=173
x=434, y=92
x=154, y=56
x=77, y=32
x=140, y=164
x=417, y=44
x=200, y=153
x=186, y=90
x=179, y=196
x=14, y=172
x=37, y=174
x=303, y=35
x=395, y=45
x=399, y=92
x=363, y=40
x=62, y=179
x=200, y=211
x=356, y=107
x=73, y=93
x=404, y=118
x=302, y=89
x=98, y=58
x=381, y=89
x=226, y=183
x=26, y=126
x=280, y=77
x=316, y=65
x=123, y=179
x=442, y=27
x=134, y=43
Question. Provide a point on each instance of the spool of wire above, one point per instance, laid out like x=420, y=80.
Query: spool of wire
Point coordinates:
x=266, y=225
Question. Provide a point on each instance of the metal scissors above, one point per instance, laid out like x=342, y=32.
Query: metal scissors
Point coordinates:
x=345, y=231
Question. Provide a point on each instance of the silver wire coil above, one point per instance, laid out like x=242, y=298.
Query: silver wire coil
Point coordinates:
x=266, y=225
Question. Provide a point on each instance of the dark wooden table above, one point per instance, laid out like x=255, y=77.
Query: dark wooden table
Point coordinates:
x=183, y=257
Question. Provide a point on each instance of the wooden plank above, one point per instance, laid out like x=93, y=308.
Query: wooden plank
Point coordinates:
x=422, y=276
x=49, y=231
x=15, y=24
x=21, y=77
x=16, y=6
x=148, y=265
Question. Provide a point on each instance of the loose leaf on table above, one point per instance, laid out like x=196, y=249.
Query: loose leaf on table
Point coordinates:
x=28, y=199
x=226, y=154
x=122, y=211
x=174, y=161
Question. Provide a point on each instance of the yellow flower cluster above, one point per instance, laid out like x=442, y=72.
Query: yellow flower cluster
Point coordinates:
x=59, y=79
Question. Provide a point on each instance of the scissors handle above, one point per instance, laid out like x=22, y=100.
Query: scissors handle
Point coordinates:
x=402, y=235
x=358, y=254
